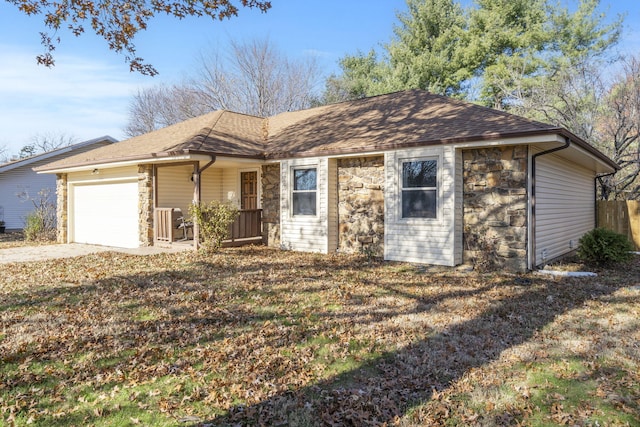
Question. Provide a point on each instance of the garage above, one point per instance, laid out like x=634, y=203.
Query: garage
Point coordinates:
x=105, y=214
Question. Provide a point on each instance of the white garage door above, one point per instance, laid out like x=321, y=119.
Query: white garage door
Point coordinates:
x=106, y=214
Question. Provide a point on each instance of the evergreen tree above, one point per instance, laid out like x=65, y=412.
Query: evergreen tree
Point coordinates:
x=494, y=52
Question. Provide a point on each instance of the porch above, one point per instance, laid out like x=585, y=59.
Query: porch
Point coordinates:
x=178, y=185
x=170, y=230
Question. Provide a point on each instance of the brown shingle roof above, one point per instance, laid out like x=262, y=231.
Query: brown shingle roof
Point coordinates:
x=385, y=122
x=218, y=133
x=390, y=121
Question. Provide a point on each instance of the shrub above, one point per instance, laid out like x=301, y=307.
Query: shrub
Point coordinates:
x=40, y=224
x=213, y=219
x=604, y=246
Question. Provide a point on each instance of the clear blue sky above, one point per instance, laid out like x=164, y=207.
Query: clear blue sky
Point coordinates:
x=86, y=94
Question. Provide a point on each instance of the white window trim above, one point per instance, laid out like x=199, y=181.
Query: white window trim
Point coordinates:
x=439, y=191
x=292, y=170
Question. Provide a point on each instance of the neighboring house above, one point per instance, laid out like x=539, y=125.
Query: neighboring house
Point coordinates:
x=410, y=175
x=18, y=179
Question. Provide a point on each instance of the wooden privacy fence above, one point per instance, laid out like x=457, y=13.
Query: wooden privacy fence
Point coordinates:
x=621, y=216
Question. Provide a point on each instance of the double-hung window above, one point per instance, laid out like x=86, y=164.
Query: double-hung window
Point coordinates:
x=305, y=185
x=420, y=188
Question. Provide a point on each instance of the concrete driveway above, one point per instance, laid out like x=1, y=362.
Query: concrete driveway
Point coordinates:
x=40, y=253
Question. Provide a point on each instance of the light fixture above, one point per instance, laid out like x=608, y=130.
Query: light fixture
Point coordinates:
x=95, y=172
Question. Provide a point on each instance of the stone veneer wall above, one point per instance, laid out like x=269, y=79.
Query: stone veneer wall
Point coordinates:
x=145, y=204
x=495, y=206
x=271, y=205
x=361, y=205
x=61, y=208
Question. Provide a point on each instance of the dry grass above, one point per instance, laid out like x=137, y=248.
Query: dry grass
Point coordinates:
x=257, y=336
x=14, y=239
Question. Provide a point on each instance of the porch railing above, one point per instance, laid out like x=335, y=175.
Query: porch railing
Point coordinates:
x=163, y=225
x=247, y=225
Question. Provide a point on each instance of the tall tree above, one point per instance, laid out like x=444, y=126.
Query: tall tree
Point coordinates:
x=41, y=143
x=118, y=21
x=619, y=133
x=162, y=105
x=253, y=78
x=482, y=53
x=573, y=99
x=49, y=141
x=603, y=110
x=524, y=43
x=426, y=51
x=362, y=75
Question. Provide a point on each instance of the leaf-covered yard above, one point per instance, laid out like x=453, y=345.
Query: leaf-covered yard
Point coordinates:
x=256, y=336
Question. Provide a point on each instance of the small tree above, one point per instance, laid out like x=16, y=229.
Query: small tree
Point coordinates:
x=40, y=224
x=213, y=220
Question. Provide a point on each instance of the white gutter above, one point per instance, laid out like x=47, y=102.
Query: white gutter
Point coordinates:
x=111, y=165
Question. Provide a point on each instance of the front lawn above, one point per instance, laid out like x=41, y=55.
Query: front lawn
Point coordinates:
x=256, y=336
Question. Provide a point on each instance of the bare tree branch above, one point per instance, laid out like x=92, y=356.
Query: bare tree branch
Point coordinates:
x=252, y=78
x=118, y=21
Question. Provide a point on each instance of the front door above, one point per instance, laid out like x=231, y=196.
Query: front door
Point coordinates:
x=248, y=190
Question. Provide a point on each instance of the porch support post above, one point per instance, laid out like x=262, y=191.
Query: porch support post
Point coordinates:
x=196, y=200
x=62, y=208
x=197, y=196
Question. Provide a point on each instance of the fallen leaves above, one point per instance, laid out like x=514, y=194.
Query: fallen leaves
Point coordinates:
x=260, y=336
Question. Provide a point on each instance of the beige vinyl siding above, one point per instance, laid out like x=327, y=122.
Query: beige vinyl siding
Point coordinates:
x=103, y=175
x=211, y=185
x=175, y=188
x=430, y=241
x=564, y=206
x=307, y=233
x=231, y=186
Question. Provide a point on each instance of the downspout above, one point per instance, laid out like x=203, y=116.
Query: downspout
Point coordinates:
x=532, y=220
x=197, y=173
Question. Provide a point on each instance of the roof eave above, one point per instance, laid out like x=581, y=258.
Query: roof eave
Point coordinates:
x=448, y=141
x=411, y=144
x=159, y=157
x=56, y=152
x=590, y=149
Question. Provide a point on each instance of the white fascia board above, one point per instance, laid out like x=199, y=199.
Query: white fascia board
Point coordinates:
x=152, y=160
x=520, y=140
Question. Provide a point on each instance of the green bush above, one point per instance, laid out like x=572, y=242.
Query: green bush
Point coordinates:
x=602, y=246
x=36, y=228
x=40, y=224
x=213, y=219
